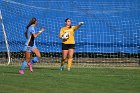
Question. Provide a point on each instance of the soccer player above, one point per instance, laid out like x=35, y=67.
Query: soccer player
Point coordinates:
x=30, y=46
x=68, y=42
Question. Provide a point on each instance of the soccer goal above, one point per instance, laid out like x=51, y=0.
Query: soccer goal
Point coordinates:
x=109, y=37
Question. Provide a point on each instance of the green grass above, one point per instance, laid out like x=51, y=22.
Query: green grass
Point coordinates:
x=82, y=80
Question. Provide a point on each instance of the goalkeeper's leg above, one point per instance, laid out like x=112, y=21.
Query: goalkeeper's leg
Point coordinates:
x=64, y=56
x=70, y=58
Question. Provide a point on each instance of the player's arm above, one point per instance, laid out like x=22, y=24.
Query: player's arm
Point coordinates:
x=39, y=32
x=63, y=35
x=78, y=26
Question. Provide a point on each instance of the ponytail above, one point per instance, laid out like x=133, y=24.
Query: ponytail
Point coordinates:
x=32, y=21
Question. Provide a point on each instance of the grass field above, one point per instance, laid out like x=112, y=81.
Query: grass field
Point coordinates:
x=82, y=80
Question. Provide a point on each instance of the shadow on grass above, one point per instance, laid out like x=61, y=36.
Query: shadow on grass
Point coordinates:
x=46, y=68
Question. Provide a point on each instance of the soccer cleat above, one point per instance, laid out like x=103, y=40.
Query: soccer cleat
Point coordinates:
x=62, y=68
x=30, y=67
x=68, y=69
x=21, y=72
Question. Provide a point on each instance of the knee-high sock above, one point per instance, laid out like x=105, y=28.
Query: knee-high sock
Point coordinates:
x=23, y=65
x=69, y=62
x=34, y=60
x=62, y=62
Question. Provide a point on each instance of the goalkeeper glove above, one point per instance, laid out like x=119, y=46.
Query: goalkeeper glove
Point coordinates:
x=81, y=23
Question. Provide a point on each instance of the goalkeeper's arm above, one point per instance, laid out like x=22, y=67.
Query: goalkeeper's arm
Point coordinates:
x=78, y=26
x=61, y=36
x=39, y=32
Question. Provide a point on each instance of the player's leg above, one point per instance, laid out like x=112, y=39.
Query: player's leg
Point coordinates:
x=24, y=63
x=70, y=58
x=70, y=55
x=38, y=55
x=27, y=50
x=64, y=55
x=35, y=59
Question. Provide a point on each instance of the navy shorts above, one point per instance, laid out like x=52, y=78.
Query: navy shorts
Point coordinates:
x=68, y=46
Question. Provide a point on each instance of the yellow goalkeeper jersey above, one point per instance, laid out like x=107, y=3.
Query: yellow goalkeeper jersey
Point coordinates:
x=71, y=30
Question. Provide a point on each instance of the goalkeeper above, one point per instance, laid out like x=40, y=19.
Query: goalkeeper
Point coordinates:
x=30, y=45
x=68, y=42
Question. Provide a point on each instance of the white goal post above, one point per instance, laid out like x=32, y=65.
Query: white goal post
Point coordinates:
x=5, y=38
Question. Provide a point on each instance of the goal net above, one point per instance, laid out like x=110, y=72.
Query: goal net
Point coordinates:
x=109, y=37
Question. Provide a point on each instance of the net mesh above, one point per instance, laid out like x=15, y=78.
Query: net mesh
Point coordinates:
x=109, y=37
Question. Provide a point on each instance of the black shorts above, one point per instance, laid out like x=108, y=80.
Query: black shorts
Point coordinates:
x=67, y=46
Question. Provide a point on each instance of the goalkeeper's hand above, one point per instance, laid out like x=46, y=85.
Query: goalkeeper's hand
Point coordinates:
x=81, y=23
x=64, y=38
